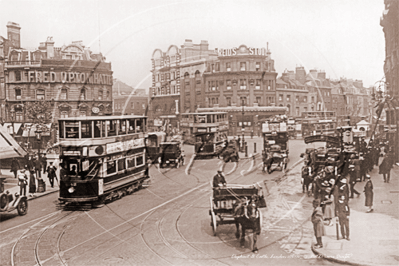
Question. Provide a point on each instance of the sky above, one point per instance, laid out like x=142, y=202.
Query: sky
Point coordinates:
x=342, y=37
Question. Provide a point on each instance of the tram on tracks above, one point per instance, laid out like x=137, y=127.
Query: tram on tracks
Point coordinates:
x=207, y=130
x=103, y=158
x=318, y=123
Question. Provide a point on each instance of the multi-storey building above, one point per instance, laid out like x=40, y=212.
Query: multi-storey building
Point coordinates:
x=292, y=93
x=130, y=104
x=195, y=77
x=390, y=25
x=73, y=80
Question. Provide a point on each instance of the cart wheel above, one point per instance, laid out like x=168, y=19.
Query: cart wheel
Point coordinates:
x=214, y=223
x=22, y=207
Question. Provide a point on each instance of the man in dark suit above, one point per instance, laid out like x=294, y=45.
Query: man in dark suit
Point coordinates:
x=219, y=180
x=343, y=213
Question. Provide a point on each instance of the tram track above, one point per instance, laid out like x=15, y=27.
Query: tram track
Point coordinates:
x=35, y=234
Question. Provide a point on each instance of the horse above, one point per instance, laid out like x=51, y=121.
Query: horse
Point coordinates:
x=248, y=216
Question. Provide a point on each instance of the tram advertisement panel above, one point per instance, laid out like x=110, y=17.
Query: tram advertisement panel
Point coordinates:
x=124, y=145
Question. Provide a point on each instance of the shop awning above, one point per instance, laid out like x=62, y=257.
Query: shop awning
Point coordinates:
x=32, y=131
x=8, y=127
x=9, y=148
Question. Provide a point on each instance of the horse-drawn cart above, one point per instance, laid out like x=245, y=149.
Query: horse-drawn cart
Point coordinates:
x=239, y=205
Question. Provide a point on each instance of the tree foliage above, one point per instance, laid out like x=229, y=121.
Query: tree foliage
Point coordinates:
x=39, y=111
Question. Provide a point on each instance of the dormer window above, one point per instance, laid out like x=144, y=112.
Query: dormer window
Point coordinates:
x=40, y=94
x=243, y=66
x=100, y=94
x=82, y=94
x=257, y=66
x=228, y=67
x=64, y=94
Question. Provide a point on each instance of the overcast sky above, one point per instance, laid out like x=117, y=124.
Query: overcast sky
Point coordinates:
x=342, y=37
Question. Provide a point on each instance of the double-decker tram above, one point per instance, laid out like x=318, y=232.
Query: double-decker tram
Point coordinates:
x=208, y=131
x=319, y=123
x=103, y=157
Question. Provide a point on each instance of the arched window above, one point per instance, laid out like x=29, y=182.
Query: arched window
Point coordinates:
x=289, y=108
x=82, y=94
x=40, y=94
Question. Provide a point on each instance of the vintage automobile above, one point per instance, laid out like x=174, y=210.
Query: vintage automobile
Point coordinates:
x=171, y=154
x=10, y=202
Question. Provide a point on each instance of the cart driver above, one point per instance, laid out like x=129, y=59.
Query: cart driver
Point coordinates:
x=219, y=180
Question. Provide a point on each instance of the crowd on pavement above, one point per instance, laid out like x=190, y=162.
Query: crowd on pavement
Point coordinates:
x=30, y=173
x=333, y=182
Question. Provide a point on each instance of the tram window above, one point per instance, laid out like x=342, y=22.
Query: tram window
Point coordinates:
x=131, y=162
x=140, y=160
x=111, y=167
x=97, y=129
x=121, y=164
x=139, y=125
x=72, y=130
x=61, y=129
x=111, y=127
x=122, y=127
x=86, y=129
x=132, y=128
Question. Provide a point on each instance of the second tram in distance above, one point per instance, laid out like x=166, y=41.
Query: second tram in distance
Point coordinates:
x=103, y=157
x=207, y=131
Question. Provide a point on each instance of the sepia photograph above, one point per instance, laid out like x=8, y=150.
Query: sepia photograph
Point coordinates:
x=170, y=132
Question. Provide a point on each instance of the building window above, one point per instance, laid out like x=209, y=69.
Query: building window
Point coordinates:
x=213, y=85
x=64, y=94
x=107, y=93
x=297, y=111
x=257, y=86
x=312, y=99
x=258, y=100
x=143, y=106
x=257, y=66
x=228, y=84
x=228, y=67
x=64, y=114
x=305, y=109
x=268, y=87
x=19, y=117
x=243, y=66
x=82, y=113
x=18, y=94
x=100, y=94
x=162, y=76
x=228, y=100
x=288, y=98
x=243, y=101
x=297, y=98
x=280, y=97
x=312, y=108
x=243, y=84
x=305, y=99
x=17, y=75
x=82, y=94
x=217, y=67
x=40, y=94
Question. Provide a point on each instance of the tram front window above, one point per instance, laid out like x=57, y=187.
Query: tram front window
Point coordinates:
x=86, y=129
x=122, y=127
x=132, y=127
x=139, y=125
x=71, y=130
x=111, y=167
x=111, y=127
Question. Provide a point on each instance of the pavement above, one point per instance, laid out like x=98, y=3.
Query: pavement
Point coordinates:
x=11, y=183
x=374, y=236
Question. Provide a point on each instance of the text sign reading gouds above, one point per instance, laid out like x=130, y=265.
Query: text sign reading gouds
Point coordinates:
x=235, y=51
x=124, y=145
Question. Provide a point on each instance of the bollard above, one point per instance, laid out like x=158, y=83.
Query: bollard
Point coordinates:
x=254, y=147
x=246, y=150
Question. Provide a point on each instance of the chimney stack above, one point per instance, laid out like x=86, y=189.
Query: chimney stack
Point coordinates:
x=50, y=47
x=14, y=34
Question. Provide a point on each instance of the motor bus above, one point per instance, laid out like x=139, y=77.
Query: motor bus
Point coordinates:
x=207, y=131
x=103, y=157
x=319, y=123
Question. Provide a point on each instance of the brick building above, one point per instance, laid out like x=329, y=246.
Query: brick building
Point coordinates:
x=71, y=78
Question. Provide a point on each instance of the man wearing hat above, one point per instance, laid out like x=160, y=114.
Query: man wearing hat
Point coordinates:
x=219, y=180
x=368, y=191
x=343, y=212
x=352, y=181
x=22, y=182
x=343, y=189
x=317, y=220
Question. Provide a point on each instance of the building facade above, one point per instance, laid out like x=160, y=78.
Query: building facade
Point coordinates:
x=390, y=25
x=71, y=80
x=130, y=105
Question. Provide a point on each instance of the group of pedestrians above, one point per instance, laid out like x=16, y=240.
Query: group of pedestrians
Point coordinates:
x=29, y=172
x=334, y=184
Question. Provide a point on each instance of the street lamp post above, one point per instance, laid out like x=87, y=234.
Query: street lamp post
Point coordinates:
x=242, y=127
x=12, y=122
x=39, y=140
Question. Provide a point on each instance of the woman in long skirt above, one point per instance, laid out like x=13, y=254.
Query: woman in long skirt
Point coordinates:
x=368, y=191
x=328, y=210
x=32, y=183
